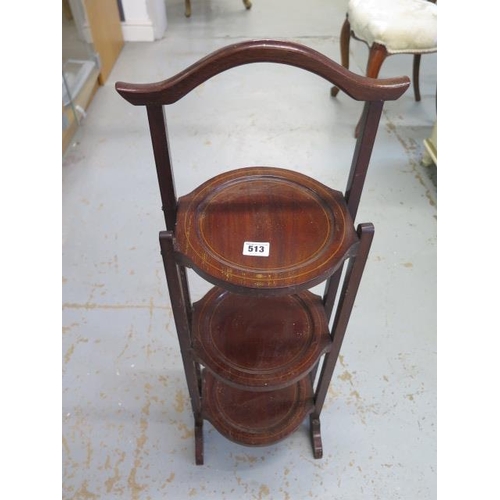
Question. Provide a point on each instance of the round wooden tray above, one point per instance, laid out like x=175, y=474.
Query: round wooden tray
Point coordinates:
x=256, y=418
x=259, y=343
x=264, y=229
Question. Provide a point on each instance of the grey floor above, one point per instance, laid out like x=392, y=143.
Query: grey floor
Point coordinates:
x=127, y=427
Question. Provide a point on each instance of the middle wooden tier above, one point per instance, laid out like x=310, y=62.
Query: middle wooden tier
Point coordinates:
x=259, y=343
x=266, y=230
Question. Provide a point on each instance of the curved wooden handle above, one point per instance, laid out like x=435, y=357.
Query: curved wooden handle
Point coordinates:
x=171, y=90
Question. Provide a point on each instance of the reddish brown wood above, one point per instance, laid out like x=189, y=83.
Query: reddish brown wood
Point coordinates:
x=198, y=441
x=346, y=303
x=259, y=51
x=416, y=76
x=256, y=418
x=367, y=127
x=180, y=309
x=377, y=56
x=345, y=40
x=330, y=293
x=161, y=150
x=315, y=429
x=259, y=344
x=306, y=224
x=261, y=336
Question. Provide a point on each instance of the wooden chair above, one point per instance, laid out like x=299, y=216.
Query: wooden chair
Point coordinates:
x=390, y=27
x=257, y=349
x=187, y=6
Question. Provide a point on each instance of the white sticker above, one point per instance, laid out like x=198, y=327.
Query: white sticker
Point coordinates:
x=256, y=248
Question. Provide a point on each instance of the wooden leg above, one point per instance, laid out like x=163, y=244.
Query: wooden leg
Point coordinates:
x=198, y=441
x=316, y=442
x=330, y=293
x=247, y=4
x=377, y=56
x=369, y=121
x=345, y=39
x=187, y=6
x=344, y=308
x=179, y=294
x=416, y=76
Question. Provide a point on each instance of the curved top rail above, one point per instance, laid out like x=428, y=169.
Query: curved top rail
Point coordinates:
x=172, y=89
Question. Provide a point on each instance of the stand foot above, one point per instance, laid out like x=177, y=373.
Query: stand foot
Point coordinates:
x=334, y=91
x=198, y=442
x=316, y=436
x=247, y=4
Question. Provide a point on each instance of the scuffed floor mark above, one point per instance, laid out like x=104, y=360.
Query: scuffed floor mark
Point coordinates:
x=67, y=329
x=65, y=447
x=132, y=483
x=242, y=484
x=93, y=305
x=179, y=401
x=346, y=377
x=246, y=458
x=409, y=149
x=149, y=349
x=410, y=369
x=95, y=288
x=286, y=494
x=411, y=396
x=428, y=194
x=83, y=493
x=186, y=432
x=90, y=452
x=129, y=338
x=169, y=479
x=112, y=481
x=263, y=491
x=134, y=486
x=151, y=311
x=354, y=397
x=71, y=349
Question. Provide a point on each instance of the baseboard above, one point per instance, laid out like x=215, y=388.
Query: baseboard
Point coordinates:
x=138, y=32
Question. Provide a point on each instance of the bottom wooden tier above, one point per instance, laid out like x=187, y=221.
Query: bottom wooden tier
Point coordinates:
x=256, y=418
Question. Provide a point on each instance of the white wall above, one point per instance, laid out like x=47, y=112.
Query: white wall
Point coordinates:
x=145, y=20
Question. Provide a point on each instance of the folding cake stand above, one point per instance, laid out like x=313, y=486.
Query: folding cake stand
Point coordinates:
x=257, y=349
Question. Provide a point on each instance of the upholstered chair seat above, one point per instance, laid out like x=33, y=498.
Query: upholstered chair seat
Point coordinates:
x=402, y=26
x=390, y=27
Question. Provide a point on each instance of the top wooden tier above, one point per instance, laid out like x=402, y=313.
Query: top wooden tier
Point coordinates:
x=305, y=226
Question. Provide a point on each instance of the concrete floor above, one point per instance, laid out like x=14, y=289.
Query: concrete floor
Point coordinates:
x=127, y=426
